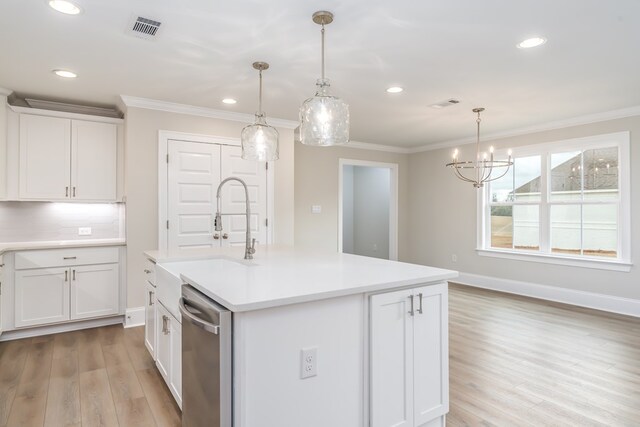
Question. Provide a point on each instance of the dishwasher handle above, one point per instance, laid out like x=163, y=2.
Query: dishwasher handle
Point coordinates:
x=202, y=324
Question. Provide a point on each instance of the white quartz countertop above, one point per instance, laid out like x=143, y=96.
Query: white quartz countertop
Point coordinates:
x=284, y=275
x=59, y=244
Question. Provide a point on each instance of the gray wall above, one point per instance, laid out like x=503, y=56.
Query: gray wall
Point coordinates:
x=371, y=197
x=348, y=236
x=442, y=217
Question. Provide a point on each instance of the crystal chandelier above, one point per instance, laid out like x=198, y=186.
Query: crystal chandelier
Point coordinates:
x=324, y=119
x=259, y=140
x=482, y=169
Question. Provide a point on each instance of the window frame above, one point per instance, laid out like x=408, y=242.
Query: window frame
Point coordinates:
x=623, y=260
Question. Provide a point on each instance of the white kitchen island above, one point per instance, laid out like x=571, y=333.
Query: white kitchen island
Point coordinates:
x=377, y=329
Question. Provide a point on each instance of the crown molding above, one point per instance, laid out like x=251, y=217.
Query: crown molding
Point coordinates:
x=559, y=124
x=5, y=92
x=378, y=147
x=172, y=107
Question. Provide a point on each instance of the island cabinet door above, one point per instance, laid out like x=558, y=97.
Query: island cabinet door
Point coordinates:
x=430, y=344
x=163, y=344
x=150, y=332
x=391, y=360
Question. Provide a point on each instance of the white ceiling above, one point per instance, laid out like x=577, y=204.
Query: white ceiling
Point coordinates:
x=435, y=49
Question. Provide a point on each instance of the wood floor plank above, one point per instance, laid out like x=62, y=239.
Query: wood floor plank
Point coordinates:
x=135, y=412
x=96, y=401
x=63, y=398
x=90, y=351
x=12, y=360
x=164, y=408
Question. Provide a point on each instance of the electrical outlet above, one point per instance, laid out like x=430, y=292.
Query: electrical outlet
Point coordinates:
x=375, y=247
x=309, y=362
x=316, y=209
x=84, y=231
x=454, y=258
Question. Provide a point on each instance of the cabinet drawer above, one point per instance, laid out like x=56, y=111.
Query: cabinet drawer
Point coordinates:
x=65, y=257
x=150, y=271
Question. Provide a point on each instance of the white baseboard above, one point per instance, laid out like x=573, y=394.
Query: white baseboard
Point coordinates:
x=134, y=317
x=62, y=327
x=613, y=304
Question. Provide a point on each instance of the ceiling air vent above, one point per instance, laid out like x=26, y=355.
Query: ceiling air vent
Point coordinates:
x=145, y=28
x=444, y=104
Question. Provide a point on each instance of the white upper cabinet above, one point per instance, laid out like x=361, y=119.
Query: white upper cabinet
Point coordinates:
x=67, y=159
x=45, y=157
x=93, y=160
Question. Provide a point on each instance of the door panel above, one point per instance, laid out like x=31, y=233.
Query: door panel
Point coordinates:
x=45, y=157
x=94, y=291
x=391, y=360
x=193, y=178
x=163, y=344
x=93, y=160
x=41, y=296
x=150, y=320
x=254, y=174
x=430, y=354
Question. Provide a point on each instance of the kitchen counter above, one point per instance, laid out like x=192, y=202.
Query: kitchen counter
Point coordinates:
x=59, y=244
x=283, y=275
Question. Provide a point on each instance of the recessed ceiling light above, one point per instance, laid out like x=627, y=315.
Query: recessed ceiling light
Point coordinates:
x=531, y=42
x=65, y=6
x=229, y=101
x=65, y=73
x=395, y=89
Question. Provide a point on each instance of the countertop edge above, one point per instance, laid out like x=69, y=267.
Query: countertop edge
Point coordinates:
x=278, y=302
x=24, y=246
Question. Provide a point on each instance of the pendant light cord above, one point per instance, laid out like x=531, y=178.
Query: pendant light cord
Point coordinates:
x=322, y=32
x=478, y=145
x=260, y=95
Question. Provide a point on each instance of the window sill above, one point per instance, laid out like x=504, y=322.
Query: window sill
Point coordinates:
x=600, y=264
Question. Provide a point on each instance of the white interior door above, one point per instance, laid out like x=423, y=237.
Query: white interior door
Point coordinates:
x=193, y=178
x=254, y=174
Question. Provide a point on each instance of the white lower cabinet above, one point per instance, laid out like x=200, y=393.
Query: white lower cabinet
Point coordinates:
x=150, y=330
x=409, y=385
x=41, y=296
x=50, y=288
x=169, y=351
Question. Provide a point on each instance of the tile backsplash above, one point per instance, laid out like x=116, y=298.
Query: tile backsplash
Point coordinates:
x=37, y=221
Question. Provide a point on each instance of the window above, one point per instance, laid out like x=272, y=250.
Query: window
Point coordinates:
x=566, y=200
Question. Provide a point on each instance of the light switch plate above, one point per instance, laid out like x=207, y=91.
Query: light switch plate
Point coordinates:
x=84, y=231
x=316, y=209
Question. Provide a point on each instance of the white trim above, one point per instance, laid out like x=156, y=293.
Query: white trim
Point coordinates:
x=134, y=316
x=597, y=263
x=65, y=115
x=393, y=199
x=164, y=136
x=378, y=147
x=5, y=92
x=558, y=124
x=62, y=327
x=613, y=304
x=172, y=107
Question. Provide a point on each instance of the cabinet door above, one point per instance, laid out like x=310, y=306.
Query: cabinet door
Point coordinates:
x=45, y=157
x=163, y=344
x=94, y=291
x=41, y=296
x=431, y=358
x=93, y=160
x=150, y=320
x=391, y=360
x=175, y=383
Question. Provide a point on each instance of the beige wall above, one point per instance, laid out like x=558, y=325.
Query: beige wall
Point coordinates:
x=443, y=219
x=316, y=176
x=141, y=183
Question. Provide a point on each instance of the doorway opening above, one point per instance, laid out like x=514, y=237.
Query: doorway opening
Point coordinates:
x=368, y=209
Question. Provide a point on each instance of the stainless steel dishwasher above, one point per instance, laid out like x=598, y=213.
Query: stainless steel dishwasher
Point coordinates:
x=207, y=367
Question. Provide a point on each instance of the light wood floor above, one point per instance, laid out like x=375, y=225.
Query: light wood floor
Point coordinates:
x=516, y=361
x=95, y=377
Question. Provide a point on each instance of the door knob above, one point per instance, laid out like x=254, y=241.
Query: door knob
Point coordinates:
x=225, y=236
x=216, y=236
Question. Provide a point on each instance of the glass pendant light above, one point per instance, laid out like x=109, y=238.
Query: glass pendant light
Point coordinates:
x=259, y=140
x=324, y=119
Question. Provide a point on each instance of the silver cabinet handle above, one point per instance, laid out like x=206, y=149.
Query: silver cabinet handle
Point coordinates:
x=74, y=191
x=411, y=311
x=420, y=306
x=202, y=324
x=165, y=327
x=66, y=191
x=70, y=257
x=216, y=236
x=150, y=298
x=146, y=270
x=66, y=275
x=73, y=274
x=225, y=236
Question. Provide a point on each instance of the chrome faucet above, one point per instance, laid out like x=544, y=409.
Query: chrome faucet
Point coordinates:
x=250, y=247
